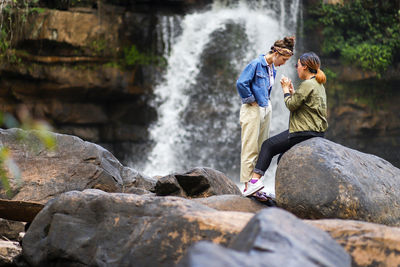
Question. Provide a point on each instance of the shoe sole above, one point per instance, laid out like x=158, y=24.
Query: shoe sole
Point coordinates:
x=254, y=190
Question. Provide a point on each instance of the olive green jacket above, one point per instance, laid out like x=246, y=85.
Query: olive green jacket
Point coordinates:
x=307, y=107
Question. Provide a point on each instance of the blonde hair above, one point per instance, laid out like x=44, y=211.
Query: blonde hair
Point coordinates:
x=313, y=63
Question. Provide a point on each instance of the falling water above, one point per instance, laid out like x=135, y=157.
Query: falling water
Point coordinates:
x=197, y=102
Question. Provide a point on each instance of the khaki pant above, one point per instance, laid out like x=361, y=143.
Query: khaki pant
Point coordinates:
x=254, y=121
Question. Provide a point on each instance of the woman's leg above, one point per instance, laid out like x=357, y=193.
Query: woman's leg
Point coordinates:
x=294, y=141
x=271, y=147
x=250, y=129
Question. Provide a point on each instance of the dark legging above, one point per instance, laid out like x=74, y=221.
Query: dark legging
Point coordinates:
x=275, y=145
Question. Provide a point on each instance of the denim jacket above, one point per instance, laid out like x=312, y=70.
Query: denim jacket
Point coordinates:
x=253, y=83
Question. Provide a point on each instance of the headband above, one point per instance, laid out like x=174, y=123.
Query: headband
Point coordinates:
x=283, y=51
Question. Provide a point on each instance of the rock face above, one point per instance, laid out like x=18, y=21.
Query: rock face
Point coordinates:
x=11, y=229
x=369, y=244
x=73, y=165
x=94, y=228
x=273, y=237
x=321, y=179
x=72, y=72
x=199, y=182
x=232, y=203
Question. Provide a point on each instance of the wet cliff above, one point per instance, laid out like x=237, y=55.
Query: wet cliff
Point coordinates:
x=87, y=67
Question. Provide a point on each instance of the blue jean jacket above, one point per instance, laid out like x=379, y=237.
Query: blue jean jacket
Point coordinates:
x=253, y=84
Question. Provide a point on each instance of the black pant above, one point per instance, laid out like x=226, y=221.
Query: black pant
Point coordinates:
x=275, y=145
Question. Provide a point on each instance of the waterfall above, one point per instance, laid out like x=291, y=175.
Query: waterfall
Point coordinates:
x=197, y=102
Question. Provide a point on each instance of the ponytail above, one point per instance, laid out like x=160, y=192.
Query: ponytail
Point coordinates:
x=320, y=76
x=313, y=63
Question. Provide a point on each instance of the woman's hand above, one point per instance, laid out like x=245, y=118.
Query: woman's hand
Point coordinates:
x=287, y=86
x=291, y=88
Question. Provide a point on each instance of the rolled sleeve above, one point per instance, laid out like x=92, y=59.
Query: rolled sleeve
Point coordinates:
x=248, y=100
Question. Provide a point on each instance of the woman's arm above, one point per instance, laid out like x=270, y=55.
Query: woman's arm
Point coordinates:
x=295, y=99
x=243, y=84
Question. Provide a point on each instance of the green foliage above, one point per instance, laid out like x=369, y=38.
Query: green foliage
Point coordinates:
x=99, y=46
x=330, y=75
x=12, y=16
x=362, y=32
x=133, y=57
x=4, y=44
x=8, y=168
x=7, y=163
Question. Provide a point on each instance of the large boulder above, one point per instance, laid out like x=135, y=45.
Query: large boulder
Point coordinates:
x=73, y=165
x=321, y=179
x=273, y=237
x=197, y=183
x=95, y=228
x=369, y=244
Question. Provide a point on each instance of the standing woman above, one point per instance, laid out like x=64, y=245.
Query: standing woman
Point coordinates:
x=254, y=86
x=307, y=107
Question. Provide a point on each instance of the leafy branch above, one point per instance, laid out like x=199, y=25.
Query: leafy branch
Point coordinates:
x=361, y=32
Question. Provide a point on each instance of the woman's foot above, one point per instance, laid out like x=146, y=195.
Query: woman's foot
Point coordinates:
x=254, y=185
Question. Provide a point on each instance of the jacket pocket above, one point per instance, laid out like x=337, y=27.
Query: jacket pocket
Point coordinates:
x=261, y=79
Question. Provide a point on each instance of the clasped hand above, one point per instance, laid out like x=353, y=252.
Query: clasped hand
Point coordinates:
x=287, y=85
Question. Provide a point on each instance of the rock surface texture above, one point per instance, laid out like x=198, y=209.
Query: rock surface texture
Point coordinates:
x=273, y=237
x=73, y=165
x=369, y=244
x=95, y=228
x=9, y=251
x=199, y=182
x=321, y=179
x=232, y=203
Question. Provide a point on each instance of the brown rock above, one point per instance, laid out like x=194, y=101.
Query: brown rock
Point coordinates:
x=232, y=203
x=369, y=244
x=74, y=28
x=19, y=210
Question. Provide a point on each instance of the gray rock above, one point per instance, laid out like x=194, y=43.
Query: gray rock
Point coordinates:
x=11, y=229
x=321, y=179
x=96, y=228
x=205, y=253
x=73, y=165
x=273, y=237
x=196, y=183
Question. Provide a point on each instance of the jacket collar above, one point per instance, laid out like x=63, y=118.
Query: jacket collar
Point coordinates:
x=264, y=62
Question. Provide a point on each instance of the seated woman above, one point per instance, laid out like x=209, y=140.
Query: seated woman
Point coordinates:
x=307, y=107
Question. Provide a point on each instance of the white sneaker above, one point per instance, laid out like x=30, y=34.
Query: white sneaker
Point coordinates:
x=254, y=185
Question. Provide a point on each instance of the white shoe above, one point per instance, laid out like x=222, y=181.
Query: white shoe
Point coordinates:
x=254, y=185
